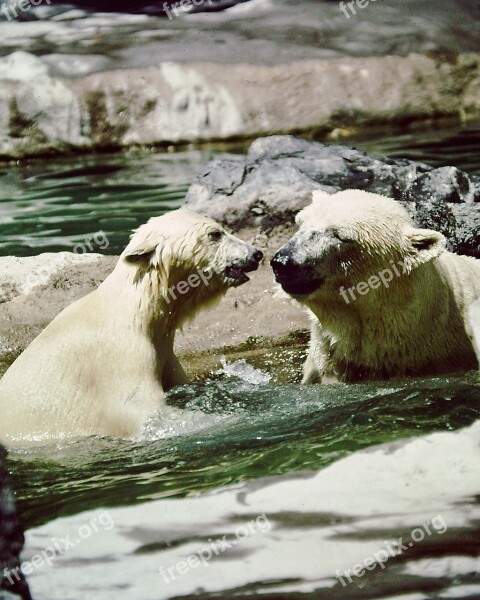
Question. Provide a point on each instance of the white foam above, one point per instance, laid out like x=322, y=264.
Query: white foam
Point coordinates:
x=244, y=371
x=171, y=422
x=22, y=66
x=20, y=35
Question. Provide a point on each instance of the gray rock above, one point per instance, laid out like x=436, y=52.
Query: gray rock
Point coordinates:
x=33, y=290
x=274, y=182
x=12, y=582
x=447, y=199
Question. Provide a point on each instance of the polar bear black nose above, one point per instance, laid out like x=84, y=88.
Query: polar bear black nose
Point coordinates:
x=282, y=264
x=253, y=261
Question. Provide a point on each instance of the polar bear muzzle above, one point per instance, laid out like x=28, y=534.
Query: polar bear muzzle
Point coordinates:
x=236, y=273
x=299, y=272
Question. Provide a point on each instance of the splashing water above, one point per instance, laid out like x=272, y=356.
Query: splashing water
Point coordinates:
x=242, y=370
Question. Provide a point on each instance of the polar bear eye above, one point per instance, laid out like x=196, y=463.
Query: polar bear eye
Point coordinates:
x=215, y=236
x=340, y=235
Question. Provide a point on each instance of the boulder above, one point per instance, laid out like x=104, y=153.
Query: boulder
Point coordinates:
x=34, y=289
x=273, y=182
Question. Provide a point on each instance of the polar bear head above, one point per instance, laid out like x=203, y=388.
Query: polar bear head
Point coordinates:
x=345, y=239
x=187, y=260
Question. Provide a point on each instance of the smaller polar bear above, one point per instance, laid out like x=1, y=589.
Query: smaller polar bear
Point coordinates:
x=101, y=367
x=386, y=298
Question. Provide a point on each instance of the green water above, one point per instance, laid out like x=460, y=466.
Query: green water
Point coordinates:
x=50, y=207
x=234, y=431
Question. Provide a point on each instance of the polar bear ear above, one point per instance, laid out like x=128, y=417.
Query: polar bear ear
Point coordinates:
x=319, y=195
x=425, y=245
x=143, y=252
x=145, y=249
x=148, y=252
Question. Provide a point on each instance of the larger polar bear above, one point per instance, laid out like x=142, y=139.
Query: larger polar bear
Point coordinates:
x=386, y=298
x=103, y=364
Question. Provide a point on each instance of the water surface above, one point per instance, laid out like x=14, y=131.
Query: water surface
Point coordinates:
x=233, y=430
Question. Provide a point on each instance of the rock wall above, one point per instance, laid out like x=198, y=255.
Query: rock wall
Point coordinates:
x=190, y=102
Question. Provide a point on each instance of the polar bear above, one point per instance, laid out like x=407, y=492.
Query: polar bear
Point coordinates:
x=101, y=367
x=386, y=299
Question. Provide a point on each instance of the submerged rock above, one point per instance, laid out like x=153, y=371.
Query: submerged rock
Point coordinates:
x=187, y=102
x=274, y=182
x=12, y=582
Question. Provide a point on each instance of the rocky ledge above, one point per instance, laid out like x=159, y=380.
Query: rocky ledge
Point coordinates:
x=191, y=102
